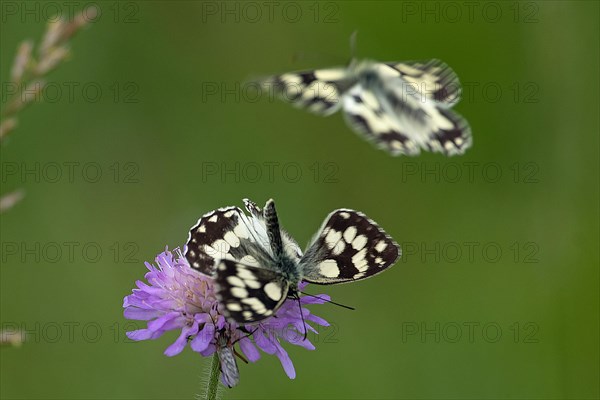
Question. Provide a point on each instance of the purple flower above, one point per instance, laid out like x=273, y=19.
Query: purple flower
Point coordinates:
x=180, y=298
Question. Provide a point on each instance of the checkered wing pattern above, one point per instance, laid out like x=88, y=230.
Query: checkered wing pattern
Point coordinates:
x=348, y=247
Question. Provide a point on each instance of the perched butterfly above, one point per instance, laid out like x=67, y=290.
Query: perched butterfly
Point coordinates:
x=401, y=107
x=257, y=265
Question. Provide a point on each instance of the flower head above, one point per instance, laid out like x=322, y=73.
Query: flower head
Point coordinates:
x=177, y=297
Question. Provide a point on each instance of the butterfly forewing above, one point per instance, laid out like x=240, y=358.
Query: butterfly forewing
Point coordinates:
x=318, y=91
x=349, y=247
x=253, y=208
x=433, y=79
x=290, y=246
x=225, y=233
x=249, y=294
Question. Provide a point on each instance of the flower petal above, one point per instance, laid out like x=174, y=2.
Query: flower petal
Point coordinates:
x=143, y=334
x=317, y=320
x=303, y=343
x=181, y=341
x=203, y=338
x=263, y=342
x=140, y=314
x=158, y=323
x=209, y=350
x=174, y=296
x=249, y=350
x=316, y=299
x=286, y=362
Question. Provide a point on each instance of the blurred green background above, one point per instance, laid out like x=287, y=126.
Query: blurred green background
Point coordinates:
x=453, y=319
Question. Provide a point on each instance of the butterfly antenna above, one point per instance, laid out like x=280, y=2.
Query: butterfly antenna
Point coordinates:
x=245, y=336
x=213, y=321
x=329, y=301
x=353, y=36
x=302, y=316
x=241, y=357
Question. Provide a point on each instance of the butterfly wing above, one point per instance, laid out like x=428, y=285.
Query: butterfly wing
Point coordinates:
x=226, y=233
x=348, y=247
x=290, y=246
x=248, y=294
x=398, y=118
x=450, y=132
x=401, y=107
x=433, y=79
x=365, y=114
x=319, y=91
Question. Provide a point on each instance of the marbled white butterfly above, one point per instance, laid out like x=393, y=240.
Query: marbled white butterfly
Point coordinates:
x=257, y=265
x=401, y=107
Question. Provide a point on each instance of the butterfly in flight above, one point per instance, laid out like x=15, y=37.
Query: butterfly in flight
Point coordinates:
x=401, y=107
x=257, y=265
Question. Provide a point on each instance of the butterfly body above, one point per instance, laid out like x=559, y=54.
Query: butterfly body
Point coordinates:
x=257, y=265
x=401, y=107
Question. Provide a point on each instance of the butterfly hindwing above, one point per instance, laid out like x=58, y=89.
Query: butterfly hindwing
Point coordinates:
x=248, y=294
x=348, y=247
x=225, y=233
x=401, y=120
x=452, y=135
x=366, y=115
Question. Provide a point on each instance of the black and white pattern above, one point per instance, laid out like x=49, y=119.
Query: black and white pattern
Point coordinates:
x=290, y=246
x=249, y=293
x=226, y=233
x=256, y=265
x=401, y=107
x=348, y=247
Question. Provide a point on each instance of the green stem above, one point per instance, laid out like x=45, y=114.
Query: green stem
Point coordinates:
x=213, y=378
